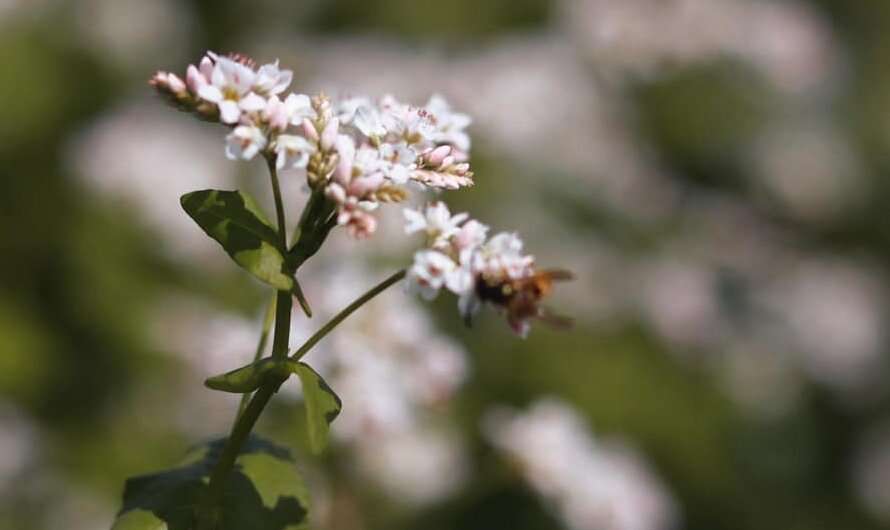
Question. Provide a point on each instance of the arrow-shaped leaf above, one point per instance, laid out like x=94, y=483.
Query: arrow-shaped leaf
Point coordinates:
x=322, y=405
x=237, y=223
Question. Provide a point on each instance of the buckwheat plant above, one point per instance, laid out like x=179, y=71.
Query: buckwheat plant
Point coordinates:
x=356, y=154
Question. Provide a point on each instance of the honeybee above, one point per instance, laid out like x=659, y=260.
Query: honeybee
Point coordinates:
x=521, y=298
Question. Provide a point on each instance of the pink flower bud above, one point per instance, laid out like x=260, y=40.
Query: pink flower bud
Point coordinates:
x=206, y=67
x=309, y=130
x=361, y=225
x=336, y=193
x=362, y=186
x=343, y=173
x=168, y=83
x=194, y=78
x=437, y=155
x=329, y=135
x=175, y=84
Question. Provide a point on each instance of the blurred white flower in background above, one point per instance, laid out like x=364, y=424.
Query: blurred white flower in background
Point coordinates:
x=809, y=168
x=834, y=313
x=871, y=472
x=209, y=342
x=147, y=157
x=786, y=41
x=27, y=477
x=24, y=11
x=415, y=466
x=396, y=375
x=134, y=33
x=19, y=445
x=680, y=300
x=761, y=376
x=590, y=484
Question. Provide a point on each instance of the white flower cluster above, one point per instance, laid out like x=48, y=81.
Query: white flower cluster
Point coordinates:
x=360, y=152
x=397, y=375
x=461, y=258
x=589, y=485
x=388, y=363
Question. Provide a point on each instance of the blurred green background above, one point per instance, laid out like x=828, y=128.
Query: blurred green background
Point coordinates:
x=713, y=171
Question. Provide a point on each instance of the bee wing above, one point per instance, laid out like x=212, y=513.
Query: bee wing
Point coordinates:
x=557, y=321
x=559, y=275
x=468, y=307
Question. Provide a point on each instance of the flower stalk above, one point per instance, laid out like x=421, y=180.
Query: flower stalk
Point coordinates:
x=314, y=231
x=357, y=154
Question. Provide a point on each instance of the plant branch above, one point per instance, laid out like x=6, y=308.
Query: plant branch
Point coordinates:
x=208, y=510
x=279, y=206
x=260, y=347
x=348, y=310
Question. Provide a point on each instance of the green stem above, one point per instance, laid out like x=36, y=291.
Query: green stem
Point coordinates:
x=260, y=347
x=279, y=206
x=348, y=310
x=309, y=211
x=284, y=302
x=283, y=306
x=208, y=511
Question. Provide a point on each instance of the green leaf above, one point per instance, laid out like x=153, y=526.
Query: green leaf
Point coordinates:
x=265, y=492
x=237, y=223
x=247, y=378
x=322, y=405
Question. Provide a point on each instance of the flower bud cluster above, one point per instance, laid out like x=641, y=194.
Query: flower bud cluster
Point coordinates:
x=460, y=257
x=357, y=152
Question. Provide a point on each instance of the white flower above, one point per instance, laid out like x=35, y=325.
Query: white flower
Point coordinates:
x=369, y=122
x=230, y=88
x=470, y=236
x=435, y=221
x=299, y=107
x=244, y=142
x=272, y=80
x=504, y=244
x=292, y=151
x=460, y=282
x=430, y=271
x=401, y=161
x=276, y=114
x=411, y=124
x=368, y=161
x=292, y=111
x=345, y=109
x=448, y=126
x=501, y=257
